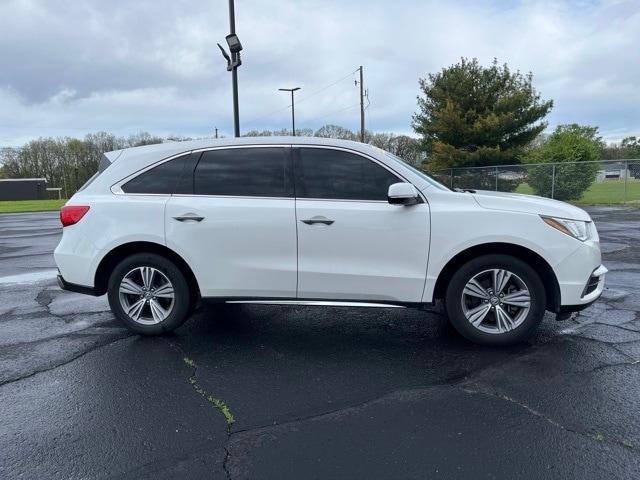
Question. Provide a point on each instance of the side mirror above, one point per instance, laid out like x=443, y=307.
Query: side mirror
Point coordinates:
x=403, y=194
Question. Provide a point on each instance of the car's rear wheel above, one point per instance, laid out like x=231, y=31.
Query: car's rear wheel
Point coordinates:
x=495, y=300
x=149, y=294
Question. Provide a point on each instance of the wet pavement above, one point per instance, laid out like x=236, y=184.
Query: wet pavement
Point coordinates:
x=311, y=392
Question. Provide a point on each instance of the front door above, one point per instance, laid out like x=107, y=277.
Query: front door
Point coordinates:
x=353, y=244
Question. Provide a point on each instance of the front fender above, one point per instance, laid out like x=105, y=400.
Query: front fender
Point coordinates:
x=453, y=232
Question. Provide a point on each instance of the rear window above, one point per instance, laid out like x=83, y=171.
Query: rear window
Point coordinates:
x=159, y=180
x=245, y=172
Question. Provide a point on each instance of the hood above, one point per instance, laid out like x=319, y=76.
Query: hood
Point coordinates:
x=516, y=202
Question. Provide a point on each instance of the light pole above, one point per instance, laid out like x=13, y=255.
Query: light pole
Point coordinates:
x=293, y=109
x=233, y=63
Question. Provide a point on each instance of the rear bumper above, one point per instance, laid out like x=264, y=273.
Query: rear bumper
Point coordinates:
x=73, y=287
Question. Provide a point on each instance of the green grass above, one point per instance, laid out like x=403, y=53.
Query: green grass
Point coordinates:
x=608, y=192
x=525, y=188
x=21, y=206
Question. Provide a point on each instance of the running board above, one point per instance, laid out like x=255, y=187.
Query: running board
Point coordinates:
x=323, y=303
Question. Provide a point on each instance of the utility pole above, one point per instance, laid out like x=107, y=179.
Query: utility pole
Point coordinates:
x=216, y=132
x=233, y=62
x=293, y=109
x=362, y=93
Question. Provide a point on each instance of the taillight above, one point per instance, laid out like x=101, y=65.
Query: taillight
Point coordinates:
x=72, y=214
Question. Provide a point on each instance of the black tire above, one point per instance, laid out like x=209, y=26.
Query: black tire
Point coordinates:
x=182, y=304
x=454, y=300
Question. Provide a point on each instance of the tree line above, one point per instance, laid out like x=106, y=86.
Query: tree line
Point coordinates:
x=65, y=162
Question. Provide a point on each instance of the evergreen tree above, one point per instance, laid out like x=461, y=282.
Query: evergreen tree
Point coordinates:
x=470, y=115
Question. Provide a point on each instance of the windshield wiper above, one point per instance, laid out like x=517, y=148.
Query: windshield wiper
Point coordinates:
x=463, y=190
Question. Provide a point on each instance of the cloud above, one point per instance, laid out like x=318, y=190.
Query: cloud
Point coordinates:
x=69, y=68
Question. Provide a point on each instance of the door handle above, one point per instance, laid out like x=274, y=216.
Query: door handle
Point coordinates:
x=189, y=217
x=320, y=220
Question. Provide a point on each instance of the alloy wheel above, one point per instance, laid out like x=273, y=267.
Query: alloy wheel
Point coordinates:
x=496, y=301
x=146, y=295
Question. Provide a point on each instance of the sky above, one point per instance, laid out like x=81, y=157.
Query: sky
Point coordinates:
x=68, y=68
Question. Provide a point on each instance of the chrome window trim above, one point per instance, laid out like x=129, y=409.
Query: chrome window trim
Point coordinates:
x=245, y=197
x=352, y=200
x=186, y=195
x=229, y=147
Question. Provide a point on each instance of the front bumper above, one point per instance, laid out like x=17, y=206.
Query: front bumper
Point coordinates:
x=591, y=291
x=73, y=287
x=574, y=274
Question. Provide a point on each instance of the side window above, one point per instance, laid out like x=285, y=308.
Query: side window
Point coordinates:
x=335, y=174
x=244, y=172
x=159, y=180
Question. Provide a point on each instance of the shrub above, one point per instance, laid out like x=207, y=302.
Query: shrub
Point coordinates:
x=571, y=147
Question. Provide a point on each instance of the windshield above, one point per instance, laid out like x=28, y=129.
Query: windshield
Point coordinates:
x=420, y=173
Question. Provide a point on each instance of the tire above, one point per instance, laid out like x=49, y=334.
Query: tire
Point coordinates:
x=161, y=287
x=477, y=311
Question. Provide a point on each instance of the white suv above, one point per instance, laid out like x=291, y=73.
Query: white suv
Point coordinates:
x=318, y=221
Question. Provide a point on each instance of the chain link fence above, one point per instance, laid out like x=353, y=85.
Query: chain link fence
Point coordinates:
x=588, y=183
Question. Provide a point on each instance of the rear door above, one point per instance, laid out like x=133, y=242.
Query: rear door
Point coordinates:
x=234, y=222
x=353, y=244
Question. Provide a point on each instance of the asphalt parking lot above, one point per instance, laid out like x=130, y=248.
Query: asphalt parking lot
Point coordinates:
x=311, y=392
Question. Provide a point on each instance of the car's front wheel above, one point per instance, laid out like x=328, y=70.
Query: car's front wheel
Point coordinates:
x=149, y=294
x=495, y=300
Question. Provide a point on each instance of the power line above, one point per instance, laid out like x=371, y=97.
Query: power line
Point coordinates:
x=339, y=111
x=313, y=94
x=267, y=115
x=326, y=87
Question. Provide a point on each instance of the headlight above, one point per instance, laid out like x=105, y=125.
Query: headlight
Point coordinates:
x=574, y=228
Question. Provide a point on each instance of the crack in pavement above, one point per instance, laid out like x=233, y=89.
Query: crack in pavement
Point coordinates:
x=217, y=403
x=599, y=437
x=65, y=362
x=68, y=334
x=192, y=380
x=44, y=298
x=622, y=352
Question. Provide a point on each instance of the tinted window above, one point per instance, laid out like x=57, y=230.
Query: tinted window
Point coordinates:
x=160, y=179
x=245, y=172
x=324, y=173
